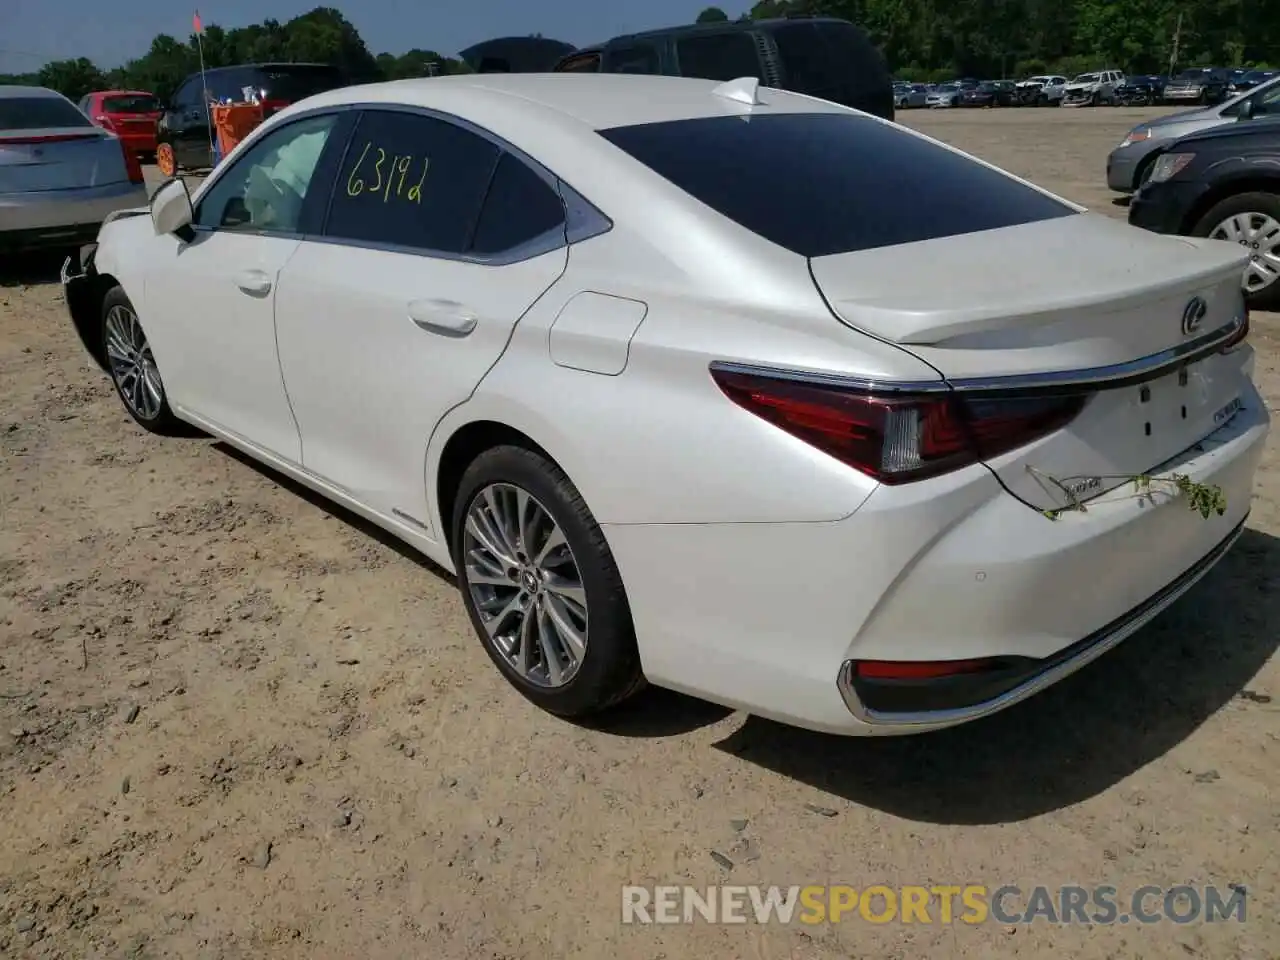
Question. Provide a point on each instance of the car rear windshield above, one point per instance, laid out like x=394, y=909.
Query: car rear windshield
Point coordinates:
x=827, y=183
x=35, y=113
x=294, y=83
x=131, y=103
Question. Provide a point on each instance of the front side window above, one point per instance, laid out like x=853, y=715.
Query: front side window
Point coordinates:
x=827, y=183
x=410, y=180
x=266, y=188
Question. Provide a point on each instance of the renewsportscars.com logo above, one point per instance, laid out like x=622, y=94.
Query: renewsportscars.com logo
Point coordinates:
x=1101, y=905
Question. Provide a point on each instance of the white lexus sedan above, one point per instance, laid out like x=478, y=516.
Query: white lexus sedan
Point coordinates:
x=715, y=386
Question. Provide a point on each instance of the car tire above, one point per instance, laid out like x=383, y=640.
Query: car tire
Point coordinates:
x=132, y=367
x=540, y=612
x=1252, y=205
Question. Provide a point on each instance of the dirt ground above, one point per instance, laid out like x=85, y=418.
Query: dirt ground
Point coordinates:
x=237, y=722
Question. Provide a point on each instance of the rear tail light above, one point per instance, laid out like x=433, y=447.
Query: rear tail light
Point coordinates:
x=922, y=669
x=897, y=438
x=132, y=165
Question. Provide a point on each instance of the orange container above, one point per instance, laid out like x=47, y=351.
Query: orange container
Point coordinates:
x=233, y=122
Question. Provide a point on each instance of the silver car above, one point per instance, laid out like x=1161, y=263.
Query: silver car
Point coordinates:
x=943, y=95
x=60, y=176
x=909, y=95
x=1130, y=162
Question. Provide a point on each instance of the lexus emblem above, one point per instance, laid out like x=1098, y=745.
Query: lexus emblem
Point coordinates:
x=1193, y=315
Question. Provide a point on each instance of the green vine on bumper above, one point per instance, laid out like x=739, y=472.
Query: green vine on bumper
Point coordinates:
x=1205, y=499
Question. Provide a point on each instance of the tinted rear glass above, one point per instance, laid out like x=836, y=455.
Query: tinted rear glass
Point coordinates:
x=297, y=82
x=33, y=113
x=826, y=183
x=719, y=56
x=133, y=103
x=637, y=58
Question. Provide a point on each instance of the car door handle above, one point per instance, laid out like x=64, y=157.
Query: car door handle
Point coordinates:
x=445, y=317
x=254, y=282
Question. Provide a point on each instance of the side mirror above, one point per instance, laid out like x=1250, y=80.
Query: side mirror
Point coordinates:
x=171, y=210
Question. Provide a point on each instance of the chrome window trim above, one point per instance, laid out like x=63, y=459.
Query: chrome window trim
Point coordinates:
x=1109, y=377
x=583, y=220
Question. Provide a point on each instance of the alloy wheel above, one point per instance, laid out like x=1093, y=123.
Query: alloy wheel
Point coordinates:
x=524, y=581
x=133, y=366
x=1260, y=235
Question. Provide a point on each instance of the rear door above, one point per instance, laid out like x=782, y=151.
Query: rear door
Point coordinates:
x=48, y=144
x=436, y=243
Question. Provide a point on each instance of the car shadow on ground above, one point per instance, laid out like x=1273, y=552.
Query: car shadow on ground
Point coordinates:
x=31, y=269
x=1072, y=741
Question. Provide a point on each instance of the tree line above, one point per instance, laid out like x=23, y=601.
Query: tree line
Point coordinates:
x=921, y=39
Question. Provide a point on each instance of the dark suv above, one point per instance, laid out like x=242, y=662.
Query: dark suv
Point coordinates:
x=819, y=56
x=186, y=125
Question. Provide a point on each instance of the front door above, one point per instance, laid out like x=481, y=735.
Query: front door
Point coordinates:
x=219, y=352
x=436, y=244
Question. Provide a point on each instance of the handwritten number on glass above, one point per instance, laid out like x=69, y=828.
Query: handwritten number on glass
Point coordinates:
x=401, y=165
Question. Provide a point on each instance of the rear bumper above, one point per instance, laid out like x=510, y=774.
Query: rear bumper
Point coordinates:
x=139, y=142
x=950, y=569
x=63, y=217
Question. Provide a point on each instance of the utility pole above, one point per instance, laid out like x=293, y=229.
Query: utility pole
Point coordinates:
x=1173, y=54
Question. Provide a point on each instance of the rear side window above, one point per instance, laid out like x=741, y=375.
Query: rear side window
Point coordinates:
x=636, y=58
x=834, y=61
x=132, y=103
x=411, y=181
x=520, y=206
x=34, y=113
x=294, y=83
x=719, y=56
x=826, y=183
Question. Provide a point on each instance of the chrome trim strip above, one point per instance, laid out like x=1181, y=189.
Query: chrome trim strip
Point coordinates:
x=1108, y=377
x=1106, y=639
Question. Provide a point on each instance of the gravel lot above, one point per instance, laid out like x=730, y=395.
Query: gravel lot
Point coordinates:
x=239, y=723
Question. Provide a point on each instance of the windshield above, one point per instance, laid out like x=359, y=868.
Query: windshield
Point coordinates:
x=946, y=88
x=1257, y=76
x=131, y=103
x=1086, y=78
x=36, y=113
x=986, y=85
x=1192, y=76
x=773, y=175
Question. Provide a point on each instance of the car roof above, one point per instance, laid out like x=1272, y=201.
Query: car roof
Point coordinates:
x=587, y=101
x=20, y=90
x=718, y=26
x=121, y=93
x=270, y=65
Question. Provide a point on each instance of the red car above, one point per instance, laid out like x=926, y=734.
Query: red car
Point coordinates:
x=131, y=115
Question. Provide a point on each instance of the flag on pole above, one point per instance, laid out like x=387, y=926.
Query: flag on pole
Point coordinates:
x=195, y=22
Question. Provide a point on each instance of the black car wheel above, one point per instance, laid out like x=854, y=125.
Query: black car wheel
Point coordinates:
x=132, y=366
x=541, y=586
x=1253, y=221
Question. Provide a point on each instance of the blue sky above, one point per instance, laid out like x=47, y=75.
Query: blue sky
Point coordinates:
x=34, y=31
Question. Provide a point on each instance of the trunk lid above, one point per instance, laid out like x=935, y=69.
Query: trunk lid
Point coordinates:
x=1055, y=297
x=59, y=158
